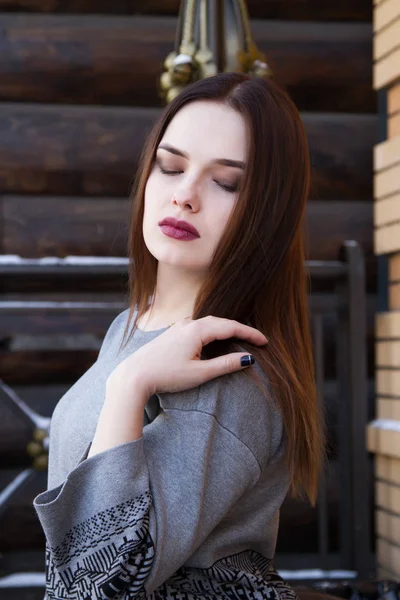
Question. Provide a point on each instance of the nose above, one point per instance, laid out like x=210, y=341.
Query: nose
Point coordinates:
x=187, y=196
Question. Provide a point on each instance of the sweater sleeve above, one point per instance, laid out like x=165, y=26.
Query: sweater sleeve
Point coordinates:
x=128, y=518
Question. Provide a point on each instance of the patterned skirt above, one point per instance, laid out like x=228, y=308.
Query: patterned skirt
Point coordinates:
x=244, y=576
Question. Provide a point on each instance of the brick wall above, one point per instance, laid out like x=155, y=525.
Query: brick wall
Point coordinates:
x=384, y=433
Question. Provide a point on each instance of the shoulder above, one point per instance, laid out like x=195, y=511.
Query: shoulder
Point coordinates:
x=250, y=412
x=239, y=405
x=115, y=331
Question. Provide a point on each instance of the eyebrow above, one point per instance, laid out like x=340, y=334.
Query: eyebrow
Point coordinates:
x=227, y=162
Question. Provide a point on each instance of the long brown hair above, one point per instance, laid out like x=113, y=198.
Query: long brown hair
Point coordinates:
x=257, y=275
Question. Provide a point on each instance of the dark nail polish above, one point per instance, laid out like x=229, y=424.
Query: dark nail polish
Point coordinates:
x=245, y=361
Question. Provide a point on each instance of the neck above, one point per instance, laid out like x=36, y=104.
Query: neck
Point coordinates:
x=174, y=297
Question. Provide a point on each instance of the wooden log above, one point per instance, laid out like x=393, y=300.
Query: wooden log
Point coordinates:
x=45, y=366
x=118, y=60
x=342, y=164
x=301, y=10
x=104, y=281
x=35, y=367
x=66, y=286
x=60, y=226
x=71, y=149
x=80, y=150
x=329, y=223
x=50, y=366
x=92, y=319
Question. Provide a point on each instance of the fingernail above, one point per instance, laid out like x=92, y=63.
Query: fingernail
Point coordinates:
x=245, y=361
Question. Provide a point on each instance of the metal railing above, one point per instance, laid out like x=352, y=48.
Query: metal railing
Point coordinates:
x=345, y=305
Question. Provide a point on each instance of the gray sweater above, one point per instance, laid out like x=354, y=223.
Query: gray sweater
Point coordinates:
x=188, y=511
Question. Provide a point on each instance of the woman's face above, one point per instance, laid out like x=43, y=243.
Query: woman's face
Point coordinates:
x=195, y=177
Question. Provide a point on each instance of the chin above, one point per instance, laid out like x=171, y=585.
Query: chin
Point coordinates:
x=177, y=259
x=175, y=253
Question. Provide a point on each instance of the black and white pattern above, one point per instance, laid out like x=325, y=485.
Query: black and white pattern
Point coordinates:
x=244, y=576
x=109, y=556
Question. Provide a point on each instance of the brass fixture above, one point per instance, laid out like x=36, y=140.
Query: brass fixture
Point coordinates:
x=212, y=36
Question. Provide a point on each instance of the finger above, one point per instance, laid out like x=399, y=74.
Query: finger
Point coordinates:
x=222, y=365
x=217, y=328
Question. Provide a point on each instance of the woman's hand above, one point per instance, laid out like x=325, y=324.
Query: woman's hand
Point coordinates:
x=171, y=362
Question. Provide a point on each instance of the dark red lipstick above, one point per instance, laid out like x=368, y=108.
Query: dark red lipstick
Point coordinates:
x=180, y=230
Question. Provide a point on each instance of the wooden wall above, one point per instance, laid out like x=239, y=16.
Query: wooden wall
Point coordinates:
x=79, y=92
x=384, y=433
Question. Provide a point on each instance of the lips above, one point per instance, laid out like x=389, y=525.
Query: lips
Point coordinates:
x=184, y=225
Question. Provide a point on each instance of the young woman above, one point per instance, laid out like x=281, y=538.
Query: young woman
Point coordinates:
x=170, y=458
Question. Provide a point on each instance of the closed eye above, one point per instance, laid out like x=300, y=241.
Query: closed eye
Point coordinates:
x=225, y=186
x=167, y=172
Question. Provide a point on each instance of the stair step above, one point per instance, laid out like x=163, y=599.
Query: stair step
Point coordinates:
x=94, y=59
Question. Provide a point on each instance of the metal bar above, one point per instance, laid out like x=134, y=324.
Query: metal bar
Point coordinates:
x=204, y=25
x=188, y=24
x=359, y=408
x=179, y=27
x=318, y=303
x=19, y=482
x=16, y=307
x=92, y=265
x=343, y=425
x=71, y=294
x=323, y=525
x=61, y=267
x=21, y=409
x=326, y=269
